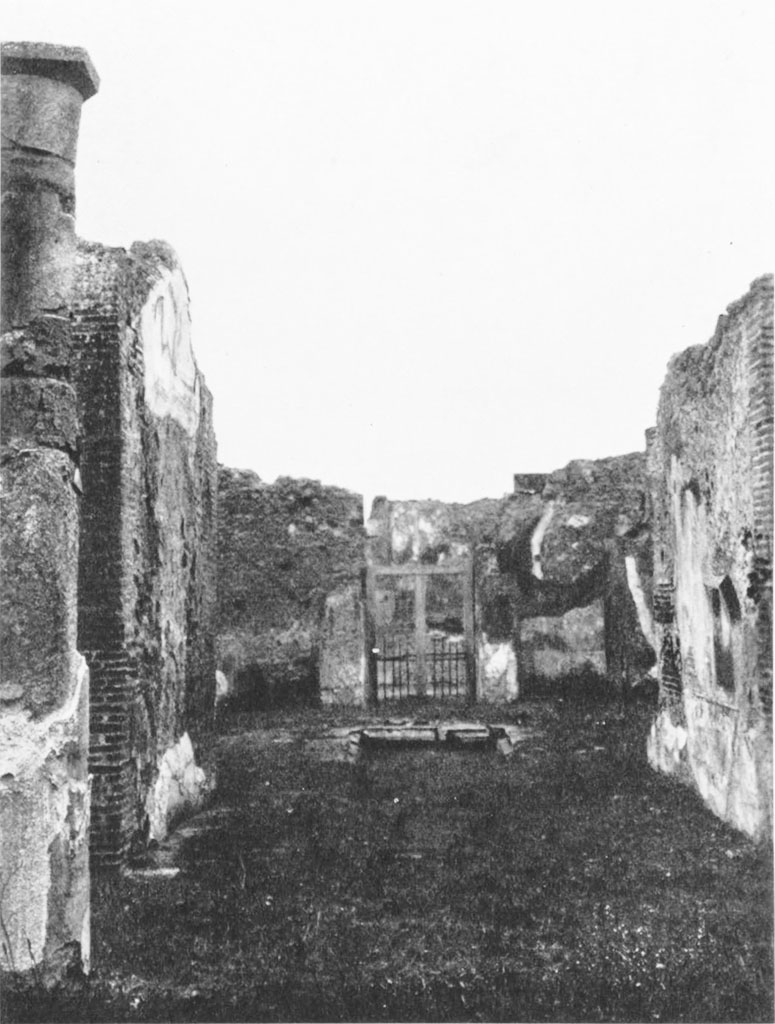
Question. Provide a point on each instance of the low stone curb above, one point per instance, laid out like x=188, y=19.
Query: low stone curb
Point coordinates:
x=346, y=744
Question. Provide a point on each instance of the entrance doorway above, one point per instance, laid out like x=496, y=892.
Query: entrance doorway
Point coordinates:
x=421, y=631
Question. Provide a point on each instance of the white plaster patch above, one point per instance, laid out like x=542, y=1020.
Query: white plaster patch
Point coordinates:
x=180, y=787
x=636, y=589
x=86, y=941
x=171, y=378
x=222, y=686
x=666, y=744
x=747, y=793
x=537, y=539
x=41, y=802
x=692, y=607
x=578, y=522
x=497, y=671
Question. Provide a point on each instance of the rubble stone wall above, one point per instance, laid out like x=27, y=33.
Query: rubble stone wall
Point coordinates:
x=147, y=568
x=290, y=557
x=711, y=464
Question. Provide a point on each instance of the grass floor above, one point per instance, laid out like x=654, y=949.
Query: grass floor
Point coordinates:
x=566, y=882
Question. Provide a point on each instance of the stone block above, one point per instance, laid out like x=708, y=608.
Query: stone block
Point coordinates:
x=38, y=556
x=468, y=735
x=38, y=413
x=400, y=734
x=42, y=349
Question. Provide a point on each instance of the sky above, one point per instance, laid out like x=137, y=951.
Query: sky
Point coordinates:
x=431, y=244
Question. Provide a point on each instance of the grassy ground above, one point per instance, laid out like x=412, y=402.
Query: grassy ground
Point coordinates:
x=567, y=882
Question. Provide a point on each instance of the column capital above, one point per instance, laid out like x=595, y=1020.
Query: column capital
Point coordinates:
x=69, y=64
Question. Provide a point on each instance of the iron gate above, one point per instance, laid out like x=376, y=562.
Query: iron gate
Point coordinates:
x=421, y=631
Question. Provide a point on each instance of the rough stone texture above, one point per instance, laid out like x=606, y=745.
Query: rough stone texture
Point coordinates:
x=342, y=671
x=284, y=549
x=147, y=568
x=39, y=545
x=711, y=464
x=44, y=682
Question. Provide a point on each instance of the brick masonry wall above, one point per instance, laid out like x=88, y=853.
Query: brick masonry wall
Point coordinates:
x=284, y=549
x=147, y=566
x=711, y=466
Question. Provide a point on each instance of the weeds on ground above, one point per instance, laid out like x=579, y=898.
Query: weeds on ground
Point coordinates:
x=567, y=882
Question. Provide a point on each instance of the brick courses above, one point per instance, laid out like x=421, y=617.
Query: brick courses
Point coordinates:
x=147, y=566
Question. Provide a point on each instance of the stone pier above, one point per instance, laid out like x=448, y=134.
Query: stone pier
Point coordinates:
x=44, y=781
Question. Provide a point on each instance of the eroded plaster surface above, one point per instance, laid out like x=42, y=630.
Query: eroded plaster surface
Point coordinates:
x=171, y=376
x=554, y=647
x=497, y=671
x=44, y=818
x=711, y=463
x=179, y=789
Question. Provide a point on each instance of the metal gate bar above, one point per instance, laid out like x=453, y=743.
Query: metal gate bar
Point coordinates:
x=449, y=667
x=394, y=667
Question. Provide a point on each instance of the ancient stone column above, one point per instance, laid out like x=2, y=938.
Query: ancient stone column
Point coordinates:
x=44, y=781
x=44, y=87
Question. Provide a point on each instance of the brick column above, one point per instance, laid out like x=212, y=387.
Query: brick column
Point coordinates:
x=760, y=376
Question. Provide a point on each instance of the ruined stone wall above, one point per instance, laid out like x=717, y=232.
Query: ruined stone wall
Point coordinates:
x=562, y=571
x=711, y=462
x=581, y=547
x=44, y=682
x=147, y=568
x=290, y=556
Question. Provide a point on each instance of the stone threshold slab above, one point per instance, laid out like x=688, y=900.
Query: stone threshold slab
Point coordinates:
x=347, y=743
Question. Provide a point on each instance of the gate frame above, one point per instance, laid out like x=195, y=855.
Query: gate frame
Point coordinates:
x=421, y=572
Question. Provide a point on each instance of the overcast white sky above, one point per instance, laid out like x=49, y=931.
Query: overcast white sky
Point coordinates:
x=431, y=244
